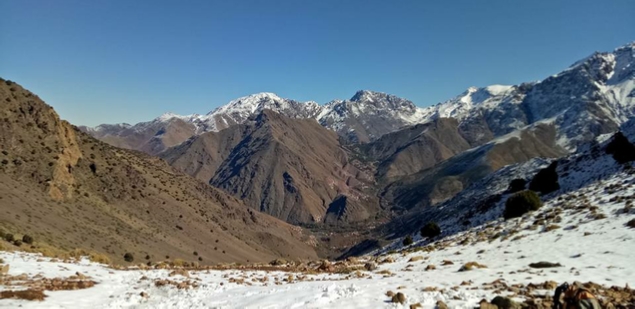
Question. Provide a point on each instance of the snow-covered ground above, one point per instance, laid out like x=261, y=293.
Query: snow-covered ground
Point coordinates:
x=589, y=249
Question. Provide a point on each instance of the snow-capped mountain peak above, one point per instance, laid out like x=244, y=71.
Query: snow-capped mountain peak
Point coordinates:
x=169, y=115
x=591, y=97
x=249, y=103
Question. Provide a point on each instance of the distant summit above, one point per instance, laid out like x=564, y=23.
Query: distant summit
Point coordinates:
x=592, y=96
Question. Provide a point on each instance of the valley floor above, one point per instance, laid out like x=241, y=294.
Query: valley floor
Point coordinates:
x=590, y=248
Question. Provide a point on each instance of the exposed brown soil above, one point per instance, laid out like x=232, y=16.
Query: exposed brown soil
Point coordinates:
x=69, y=190
x=293, y=169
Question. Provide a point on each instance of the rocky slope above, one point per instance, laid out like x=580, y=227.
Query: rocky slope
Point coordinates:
x=70, y=190
x=582, y=234
x=592, y=97
x=432, y=186
x=415, y=148
x=369, y=115
x=293, y=169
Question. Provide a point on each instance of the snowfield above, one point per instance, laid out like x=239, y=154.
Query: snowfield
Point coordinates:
x=588, y=247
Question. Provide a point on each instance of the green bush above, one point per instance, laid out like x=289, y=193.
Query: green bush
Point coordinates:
x=128, y=257
x=516, y=185
x=546, y=180
x=9, y=237
x=621, y=149
x=431, y=229
x=27, y=239
x=407, y=241
x=17, y=242
x=521, y=203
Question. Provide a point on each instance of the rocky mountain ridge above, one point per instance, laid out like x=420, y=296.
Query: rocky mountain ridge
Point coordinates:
x=593, y=96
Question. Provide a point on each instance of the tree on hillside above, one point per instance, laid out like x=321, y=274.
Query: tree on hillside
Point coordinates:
x=546, y=180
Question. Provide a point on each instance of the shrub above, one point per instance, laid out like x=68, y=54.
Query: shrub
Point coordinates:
x=28, y=294
x=8, y=237
x=178, y=262
x=621, y=149
x=27, y=239
x=431, y=229
x=17, y=242
x=504, y=302
x=521, y=203
x=546, y=180
x=99, y=258
x=516, y=185
x=399, y=298
x=407, y=241
x=128, y=257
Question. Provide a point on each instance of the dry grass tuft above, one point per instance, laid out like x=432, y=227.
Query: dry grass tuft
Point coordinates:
x=24, y=294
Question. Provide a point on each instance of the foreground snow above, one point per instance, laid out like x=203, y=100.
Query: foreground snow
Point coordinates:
x=588, y=249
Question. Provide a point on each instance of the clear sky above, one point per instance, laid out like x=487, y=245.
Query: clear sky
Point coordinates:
x=130, y=61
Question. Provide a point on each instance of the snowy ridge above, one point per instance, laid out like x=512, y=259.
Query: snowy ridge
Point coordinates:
x=593, y=96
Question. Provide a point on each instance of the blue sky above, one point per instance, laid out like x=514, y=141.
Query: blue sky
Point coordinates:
x=130, y=61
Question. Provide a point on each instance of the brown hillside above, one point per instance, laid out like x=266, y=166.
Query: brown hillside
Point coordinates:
x=446, y=179
x=415, y=148
x=70, y=190
x=293, y=169
x=152, y=137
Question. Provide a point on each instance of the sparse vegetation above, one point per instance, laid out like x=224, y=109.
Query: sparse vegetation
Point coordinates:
x=516, y=185
x=544, y=265
x=521, y=203
x=504, y=303
x=27, y=239
x=29, y=294
x=551, y=227
x=399, y=298
x=407, y=241
x=128, y=257
x=430, y=230
x=9, y=237
x=471, y=266
x=622, y=150
x=546, y=180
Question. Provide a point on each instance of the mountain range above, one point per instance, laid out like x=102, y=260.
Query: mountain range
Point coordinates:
x=403, y=155
x=311, y=179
